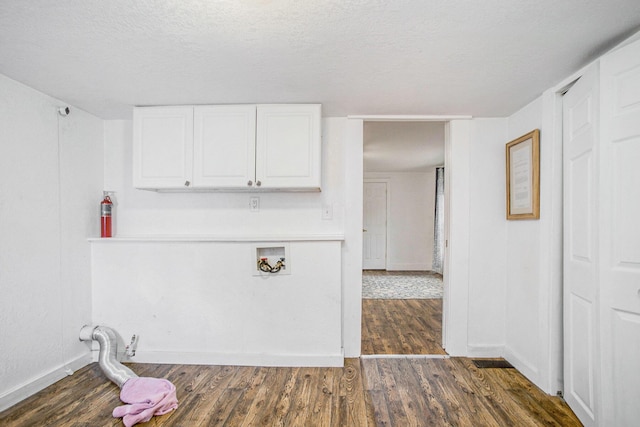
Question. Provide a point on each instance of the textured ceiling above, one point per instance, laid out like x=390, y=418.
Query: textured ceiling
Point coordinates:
x=482, y=58
x=403, y=146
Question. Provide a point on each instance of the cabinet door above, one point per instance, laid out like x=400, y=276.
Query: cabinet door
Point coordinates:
x=288, y=146
x=224, y=146
x=162, y=147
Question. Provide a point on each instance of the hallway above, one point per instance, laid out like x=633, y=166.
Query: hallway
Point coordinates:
x=397, y=326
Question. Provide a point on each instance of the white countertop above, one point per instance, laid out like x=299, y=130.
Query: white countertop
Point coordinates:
x=221, y=238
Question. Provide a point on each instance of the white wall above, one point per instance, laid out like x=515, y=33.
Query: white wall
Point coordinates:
x=199, y=302
x=487, y=237
x=523, y=266
x=534, y=258
x=352, y=247
x=49, y=195
x=504, y=296
x=245, y=323
x=410, y=219
x=474, y=268
x=142, y=212
x=455, y=308
x=501, y=273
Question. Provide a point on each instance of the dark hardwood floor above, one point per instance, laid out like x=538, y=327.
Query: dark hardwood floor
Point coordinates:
x=396, y=326
x=367, y=392
x=453, y=392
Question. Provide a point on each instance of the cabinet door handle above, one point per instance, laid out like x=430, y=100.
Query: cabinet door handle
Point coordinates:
x=258, y=183
x=187, y=183
x=250, y=183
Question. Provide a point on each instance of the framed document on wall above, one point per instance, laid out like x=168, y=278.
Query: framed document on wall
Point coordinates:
x=523, y=177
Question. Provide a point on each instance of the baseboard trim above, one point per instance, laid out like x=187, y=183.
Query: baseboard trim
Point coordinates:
x=485, y=350
x=21, y=392
x=525, y=368
x=239, y=359
x=408, y=267
x=405, y=356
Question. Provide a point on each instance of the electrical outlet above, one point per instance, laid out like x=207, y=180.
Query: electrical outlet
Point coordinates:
x=327, y=211
x=254, y=204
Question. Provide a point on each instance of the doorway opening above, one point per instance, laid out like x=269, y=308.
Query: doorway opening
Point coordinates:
x=402, y=290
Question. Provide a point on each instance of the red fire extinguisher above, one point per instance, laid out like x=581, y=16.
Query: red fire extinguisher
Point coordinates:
x=106, y=207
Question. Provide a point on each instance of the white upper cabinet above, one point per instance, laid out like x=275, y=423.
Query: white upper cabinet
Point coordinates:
x=224, y=146
x=163, y=147
x=288, y=146
x=228, y=147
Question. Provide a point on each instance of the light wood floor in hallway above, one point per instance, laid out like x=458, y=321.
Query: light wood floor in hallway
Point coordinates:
x=366, y=392
x=402, y=326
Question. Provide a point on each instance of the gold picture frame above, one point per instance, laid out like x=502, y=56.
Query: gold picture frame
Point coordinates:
x=523, y=177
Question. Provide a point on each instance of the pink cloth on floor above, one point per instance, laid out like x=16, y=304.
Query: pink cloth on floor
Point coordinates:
x=146, y=397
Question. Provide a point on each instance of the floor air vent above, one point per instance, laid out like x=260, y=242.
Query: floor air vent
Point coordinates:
x=492, y=363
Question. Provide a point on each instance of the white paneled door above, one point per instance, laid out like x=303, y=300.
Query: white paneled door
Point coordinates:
x=620, y=237
x=580, y=155
x=374, y=239
x=601, y=127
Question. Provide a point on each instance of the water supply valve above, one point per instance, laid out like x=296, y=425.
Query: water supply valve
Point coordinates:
x=263, y=265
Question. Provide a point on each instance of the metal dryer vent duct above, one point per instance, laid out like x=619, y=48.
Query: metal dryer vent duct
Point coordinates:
x=106, y=337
